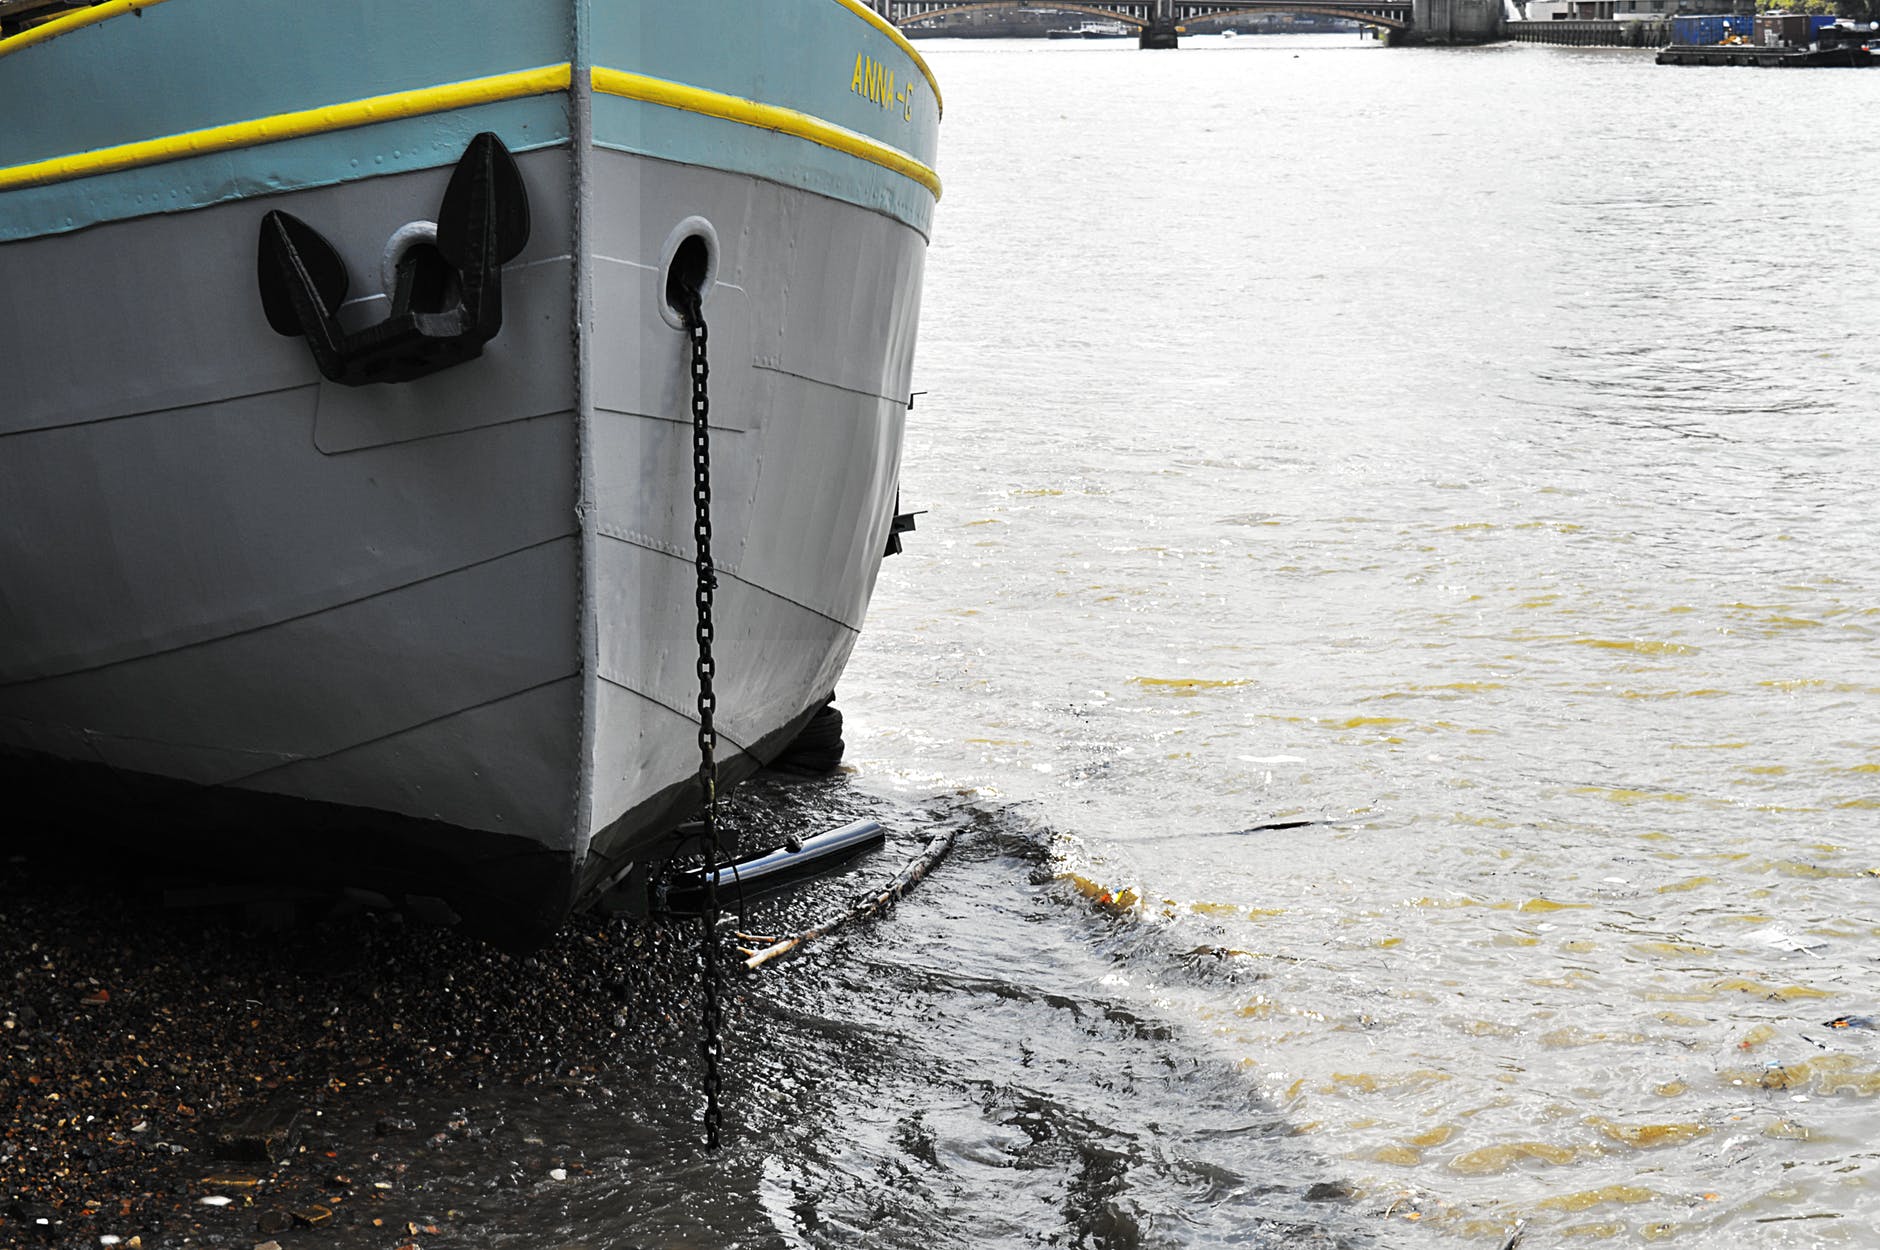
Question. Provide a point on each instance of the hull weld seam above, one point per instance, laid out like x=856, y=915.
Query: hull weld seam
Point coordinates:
x=18, y=682
x=690, y=718
x=403, y=729
x=724, y=573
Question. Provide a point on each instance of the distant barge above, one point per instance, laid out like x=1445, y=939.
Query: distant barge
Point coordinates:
x=1842, y=56
x=1778, y=40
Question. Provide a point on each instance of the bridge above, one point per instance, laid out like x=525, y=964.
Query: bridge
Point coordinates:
x=1161, y=23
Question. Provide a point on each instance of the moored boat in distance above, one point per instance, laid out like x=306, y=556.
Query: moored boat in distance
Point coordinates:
x=346, y=458
x=1775, y=40
x=1093, y=30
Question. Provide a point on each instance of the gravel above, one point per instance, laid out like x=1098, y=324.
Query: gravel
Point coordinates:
x=176, y=1078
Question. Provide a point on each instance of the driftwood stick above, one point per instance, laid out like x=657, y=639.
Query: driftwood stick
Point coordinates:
x=872, y=905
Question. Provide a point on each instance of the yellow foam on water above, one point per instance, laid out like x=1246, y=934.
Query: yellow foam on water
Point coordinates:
x=1823, y=1075
x=1454, y=687
x=1602, y=1230
x=1640, y=646
x=1623, y=795
x=1649, y=1136
x=1808, y=872
x=1188, y=685
x=1572, y=1037
x=1671, y=948
x=1780, y=993
x=1371, y=1083
x=1794, y=683
x=1589, y=1198
x=1547, y=905
x=1493, y=1160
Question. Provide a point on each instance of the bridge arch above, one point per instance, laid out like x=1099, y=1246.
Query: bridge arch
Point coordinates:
x=1315, y=10
x=982, y=6
x=1121, y=11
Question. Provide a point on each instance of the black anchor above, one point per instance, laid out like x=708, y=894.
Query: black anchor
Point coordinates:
x=448, y=298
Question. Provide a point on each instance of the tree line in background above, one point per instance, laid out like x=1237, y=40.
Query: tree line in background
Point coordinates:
x=1861, y=10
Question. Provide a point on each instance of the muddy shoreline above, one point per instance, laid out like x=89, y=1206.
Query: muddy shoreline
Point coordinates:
x=177, y=1077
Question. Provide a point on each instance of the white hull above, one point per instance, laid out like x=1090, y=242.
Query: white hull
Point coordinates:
x=466, y=600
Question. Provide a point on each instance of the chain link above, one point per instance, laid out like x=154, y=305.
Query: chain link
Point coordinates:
x=712, y=1011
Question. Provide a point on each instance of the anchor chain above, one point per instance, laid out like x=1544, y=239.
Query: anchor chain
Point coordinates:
x=712, y=1009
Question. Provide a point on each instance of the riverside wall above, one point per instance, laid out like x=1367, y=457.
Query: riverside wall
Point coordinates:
x=1587, y=33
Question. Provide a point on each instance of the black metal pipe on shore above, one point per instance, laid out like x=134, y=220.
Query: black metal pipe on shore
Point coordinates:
x=777, y=868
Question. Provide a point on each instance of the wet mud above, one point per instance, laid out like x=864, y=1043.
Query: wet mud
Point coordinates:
x=955, y=1074
x=179, y=1078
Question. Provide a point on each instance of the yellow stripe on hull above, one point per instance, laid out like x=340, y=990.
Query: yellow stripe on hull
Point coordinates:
x=314, y=121
x=72, y=21
x=675, y=95
x=117, y=8
x=394, y=106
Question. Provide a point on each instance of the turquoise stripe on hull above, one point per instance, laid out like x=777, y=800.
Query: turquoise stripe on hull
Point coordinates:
x=191, y=64
x=799, y=54
x=651, y=130
x=796, y=54
x=295, y=164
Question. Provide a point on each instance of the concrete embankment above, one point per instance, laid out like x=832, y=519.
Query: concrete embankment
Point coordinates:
x=1588, y=33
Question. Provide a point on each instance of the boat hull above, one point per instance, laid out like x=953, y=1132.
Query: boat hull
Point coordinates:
x=439, y=637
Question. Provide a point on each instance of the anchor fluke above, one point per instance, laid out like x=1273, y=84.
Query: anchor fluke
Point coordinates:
x=448, y=297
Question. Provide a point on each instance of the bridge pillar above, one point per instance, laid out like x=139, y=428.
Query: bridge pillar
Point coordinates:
x=1455, y=21
x=1161, y=32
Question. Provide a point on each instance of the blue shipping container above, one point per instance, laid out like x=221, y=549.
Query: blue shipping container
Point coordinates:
x=1696, y=30
x=1710, y=28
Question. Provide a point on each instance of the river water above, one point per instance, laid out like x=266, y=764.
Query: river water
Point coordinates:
x=1467, y=452
x=1393, y=628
